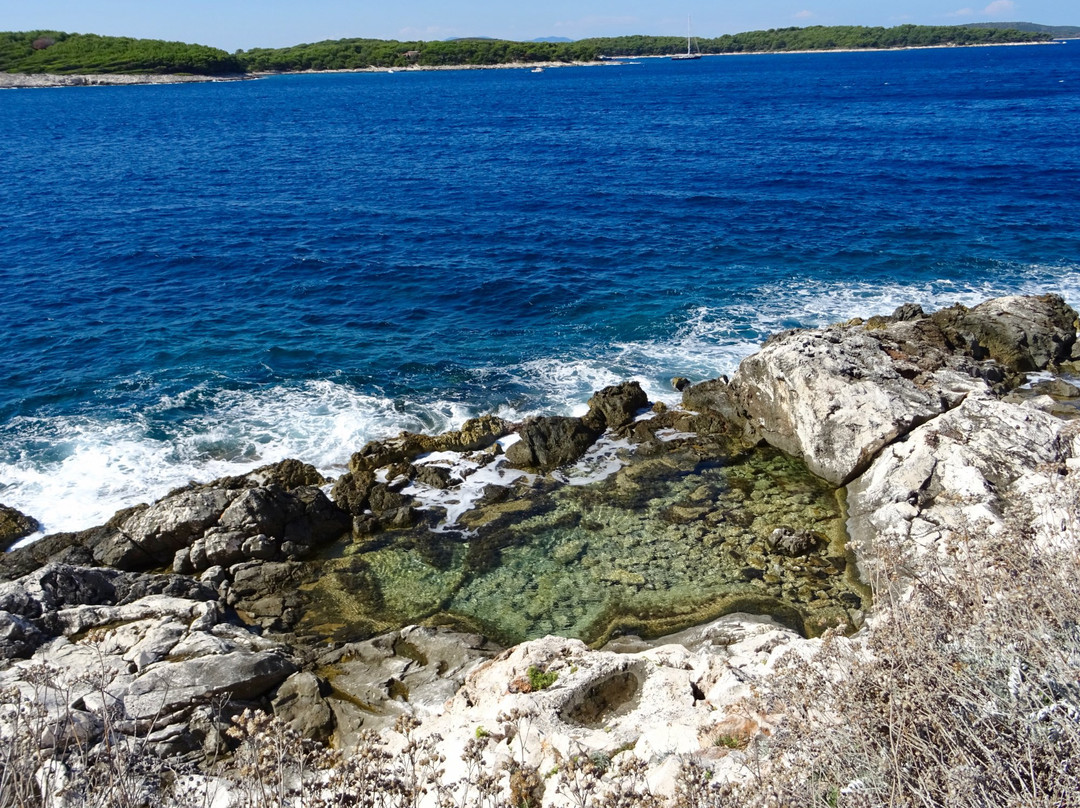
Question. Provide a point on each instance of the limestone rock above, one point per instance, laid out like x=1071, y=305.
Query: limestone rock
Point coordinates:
x=195, y=529
x=301, y=703
x=414, y=670
x=833, y=397
x=963, y=470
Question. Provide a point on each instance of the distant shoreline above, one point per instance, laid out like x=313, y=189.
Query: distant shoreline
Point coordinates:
x=47, y=80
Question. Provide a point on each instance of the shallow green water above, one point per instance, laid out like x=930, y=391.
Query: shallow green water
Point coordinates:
x=669, y=541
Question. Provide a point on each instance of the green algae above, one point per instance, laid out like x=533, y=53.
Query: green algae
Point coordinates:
x=679, y=536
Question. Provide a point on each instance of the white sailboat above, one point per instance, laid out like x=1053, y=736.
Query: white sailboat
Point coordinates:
x=690, y=54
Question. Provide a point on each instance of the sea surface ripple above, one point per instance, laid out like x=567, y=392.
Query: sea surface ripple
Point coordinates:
x=201, y=278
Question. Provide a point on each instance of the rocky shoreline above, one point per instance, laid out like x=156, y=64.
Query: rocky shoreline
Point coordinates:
x=12, y=81
x=732, y=530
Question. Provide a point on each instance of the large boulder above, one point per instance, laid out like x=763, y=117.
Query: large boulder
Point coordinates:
x=546, y=443
x=616, y=406
x=1024, y=333
x=959, y=476
x=836, y=396
x=197, y=528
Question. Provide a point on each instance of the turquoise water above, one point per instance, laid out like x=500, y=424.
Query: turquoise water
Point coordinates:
x=198, y=279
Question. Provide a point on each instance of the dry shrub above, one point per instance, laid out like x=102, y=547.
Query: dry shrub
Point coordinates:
x=965, y=693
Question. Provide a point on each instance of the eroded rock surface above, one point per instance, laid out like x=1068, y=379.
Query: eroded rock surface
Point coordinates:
x=836, y=396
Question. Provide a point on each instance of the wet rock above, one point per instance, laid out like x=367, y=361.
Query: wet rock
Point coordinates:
x=680, y=383
x=475, y=434
x=14, y=525
x=287, y=474
x=616, y=406
x=792, y=542
x=351, y=491
x=1056, y=388
x=433, y=476
x=550, y=442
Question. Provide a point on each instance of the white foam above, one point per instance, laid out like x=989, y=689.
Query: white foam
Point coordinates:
x=92, y=467
x=604, y=458
x=72, y=472
x=471, y=480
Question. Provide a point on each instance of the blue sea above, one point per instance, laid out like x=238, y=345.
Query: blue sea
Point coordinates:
x=198, y=279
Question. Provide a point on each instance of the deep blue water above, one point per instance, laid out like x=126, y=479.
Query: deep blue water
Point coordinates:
x=200, y=278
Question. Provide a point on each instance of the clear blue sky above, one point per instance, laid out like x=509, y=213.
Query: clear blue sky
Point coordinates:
x=233, y=24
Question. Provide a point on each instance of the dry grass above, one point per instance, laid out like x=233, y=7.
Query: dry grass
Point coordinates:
x=966, y=694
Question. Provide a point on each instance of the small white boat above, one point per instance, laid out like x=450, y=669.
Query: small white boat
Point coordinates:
x=538, y=70
x=682, y=57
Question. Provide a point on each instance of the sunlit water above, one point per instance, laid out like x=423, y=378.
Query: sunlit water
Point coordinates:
x=197, y=279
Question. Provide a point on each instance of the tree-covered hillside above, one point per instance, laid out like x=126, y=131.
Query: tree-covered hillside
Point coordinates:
x=347, y=54
x=1057, y=31
x=57, y=52
x=60, y=53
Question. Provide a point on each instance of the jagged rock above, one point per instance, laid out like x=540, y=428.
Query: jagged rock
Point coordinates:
x=351, y=491
x=712, y=396
x=152, y=536
x=961, y=471
x=475, y=434
x=834, y=397
x=288, y=474
x=680, y=383
x=616, y=406
x=200, y=528
x=909, y=311
x=60, y=599
x=14, y=525
x=1024, y=333
x=550, y=442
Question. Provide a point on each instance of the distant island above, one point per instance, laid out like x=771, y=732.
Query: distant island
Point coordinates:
x=59, y=53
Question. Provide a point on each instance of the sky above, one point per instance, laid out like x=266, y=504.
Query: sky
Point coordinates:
x=243, y=24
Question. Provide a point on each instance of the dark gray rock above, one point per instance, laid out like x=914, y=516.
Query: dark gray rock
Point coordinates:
x=550, y=442
x=616, y=406
x=1024, y=333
